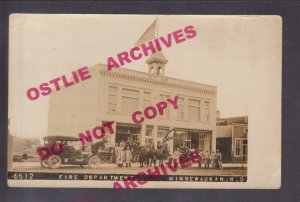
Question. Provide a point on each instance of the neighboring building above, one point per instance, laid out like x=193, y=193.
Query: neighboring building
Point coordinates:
x=114, y=95
x=232, y=138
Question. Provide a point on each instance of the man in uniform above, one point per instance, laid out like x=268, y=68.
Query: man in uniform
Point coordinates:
x=176, y=156
x=213, y=159
x=206, y=159
x=219, y=159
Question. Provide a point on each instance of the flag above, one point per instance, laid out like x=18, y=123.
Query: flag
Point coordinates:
x=148, y=35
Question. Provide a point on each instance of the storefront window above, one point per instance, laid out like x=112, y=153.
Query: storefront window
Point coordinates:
x=187, y=143
x=127, y=132
x=149, y=131
x=162, y=132
x=179, y=137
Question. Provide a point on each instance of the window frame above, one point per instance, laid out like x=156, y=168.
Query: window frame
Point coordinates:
x=166, y=114
x=194, y=106
x=112, y=94
x=129, y=96
x=207, y=120
x=183, y=108
x=146, y=99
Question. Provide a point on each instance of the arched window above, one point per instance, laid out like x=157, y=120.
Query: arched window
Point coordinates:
x=151, y=70
x=160, y=70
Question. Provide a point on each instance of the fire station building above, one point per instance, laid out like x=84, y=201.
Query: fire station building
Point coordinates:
x=114, y=95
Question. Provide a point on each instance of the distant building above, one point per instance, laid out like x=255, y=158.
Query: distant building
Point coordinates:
x=232, y=138
x=115, y=95
x=10, y=150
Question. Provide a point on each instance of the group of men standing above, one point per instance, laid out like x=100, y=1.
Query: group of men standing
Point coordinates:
x=214, y=158
x=209, y=159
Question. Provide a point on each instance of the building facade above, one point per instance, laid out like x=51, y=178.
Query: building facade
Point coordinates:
x=232, y=139
x=114, y=95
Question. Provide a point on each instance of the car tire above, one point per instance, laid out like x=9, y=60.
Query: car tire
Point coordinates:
x=44, y=164
x=94, y=161
x=54, y=161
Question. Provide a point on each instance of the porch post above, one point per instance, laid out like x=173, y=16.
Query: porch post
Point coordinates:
x=143, y=135
x=155, y=130
x=213, y=140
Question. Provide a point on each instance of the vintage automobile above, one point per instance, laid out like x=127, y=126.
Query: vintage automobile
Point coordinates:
x=17, y=158
x=70, y=156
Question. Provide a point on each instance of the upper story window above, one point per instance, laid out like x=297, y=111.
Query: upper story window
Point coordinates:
x=112, y=98
x=129, y=100
x=130, y=92
x=181, y=108
x=206, y=112
x=194, y=107
x=163, y=97
x=146, y=99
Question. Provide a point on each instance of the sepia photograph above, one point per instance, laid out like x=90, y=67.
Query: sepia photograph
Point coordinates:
x=144, y=101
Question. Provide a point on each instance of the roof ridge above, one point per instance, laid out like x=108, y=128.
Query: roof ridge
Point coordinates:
x=157, y=56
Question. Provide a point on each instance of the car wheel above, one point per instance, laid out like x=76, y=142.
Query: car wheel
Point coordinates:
x=44, y=163
x=54, y=161
x=94, y=162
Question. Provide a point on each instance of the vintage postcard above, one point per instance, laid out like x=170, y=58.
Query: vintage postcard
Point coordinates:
x=144, y=101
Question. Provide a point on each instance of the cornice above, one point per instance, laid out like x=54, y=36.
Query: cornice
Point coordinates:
x=156, y=80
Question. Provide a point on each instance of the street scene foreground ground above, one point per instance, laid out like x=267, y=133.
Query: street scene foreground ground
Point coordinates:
x=107, y=168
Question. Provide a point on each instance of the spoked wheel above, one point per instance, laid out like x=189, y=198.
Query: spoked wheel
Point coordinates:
x=44, y=163
x=54, y=161
x=94, y=162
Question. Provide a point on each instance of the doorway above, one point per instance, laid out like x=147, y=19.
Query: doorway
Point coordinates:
x=245, y=149
x=224, y=146
x=128, y=132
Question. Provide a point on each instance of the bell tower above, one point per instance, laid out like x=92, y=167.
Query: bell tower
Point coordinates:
x=156, y=63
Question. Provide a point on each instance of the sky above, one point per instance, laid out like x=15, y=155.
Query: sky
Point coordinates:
x=235, y=53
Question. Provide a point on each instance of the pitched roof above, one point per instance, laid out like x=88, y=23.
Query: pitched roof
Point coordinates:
x=158, y=56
